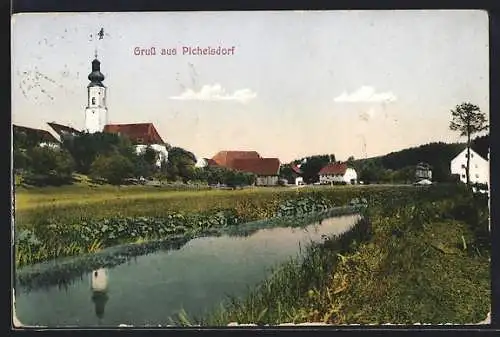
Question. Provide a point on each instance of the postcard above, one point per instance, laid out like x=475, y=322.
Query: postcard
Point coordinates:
x=268, y=168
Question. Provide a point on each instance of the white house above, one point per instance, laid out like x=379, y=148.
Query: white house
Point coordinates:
x=479, y=169
x=160, y=149
x=337, y=173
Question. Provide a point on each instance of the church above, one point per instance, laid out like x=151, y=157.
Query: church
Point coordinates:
x=141, y=135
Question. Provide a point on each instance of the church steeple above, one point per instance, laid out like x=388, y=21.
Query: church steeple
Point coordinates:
x=96, y=110
x=96, y=77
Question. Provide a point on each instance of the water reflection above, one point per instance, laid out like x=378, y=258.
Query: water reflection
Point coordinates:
x=195, y=277
x=65, y=272
x=99, y=286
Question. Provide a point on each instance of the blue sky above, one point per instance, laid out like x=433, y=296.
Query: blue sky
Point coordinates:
x=299, y=83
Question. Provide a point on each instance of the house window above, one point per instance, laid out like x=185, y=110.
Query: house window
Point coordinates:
x=477, y=176
x=475, y=166
x=463, y=166
x=93, y=100
x=140, y=140
x=463, y=176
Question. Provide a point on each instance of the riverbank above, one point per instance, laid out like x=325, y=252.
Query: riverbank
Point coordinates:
x=424, y=262
x=55, y=230
x=63, y=271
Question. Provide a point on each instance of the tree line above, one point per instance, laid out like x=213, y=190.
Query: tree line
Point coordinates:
x=111, y=158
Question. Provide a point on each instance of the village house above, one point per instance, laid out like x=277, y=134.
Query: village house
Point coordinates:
x=141, y=135
x=297, y=174
x=265, y=169
x=423, y=173
x=227, y=158
x=479, y=170
x=39, y=137
x=337, y=173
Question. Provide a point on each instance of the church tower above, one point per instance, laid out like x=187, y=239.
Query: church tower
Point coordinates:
x=96, y=110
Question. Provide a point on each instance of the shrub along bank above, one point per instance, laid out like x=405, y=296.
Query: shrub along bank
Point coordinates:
x=424, y=261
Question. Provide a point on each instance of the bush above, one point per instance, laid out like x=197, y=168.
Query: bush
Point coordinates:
x=48, y=166
x=115, y=169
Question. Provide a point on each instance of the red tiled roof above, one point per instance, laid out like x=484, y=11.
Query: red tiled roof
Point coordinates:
x=38, y=134
x=258, y=166
x=334, y=168
x=211, y=162
x=63, y=129
x=141, y=133
x=226, y=158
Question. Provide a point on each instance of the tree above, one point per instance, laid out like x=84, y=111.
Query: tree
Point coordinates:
x=468, y=119
x=145, y=163
x=313, y=165
x=47, y=166
x=180, y=164
x=114, y=168
x=86, y=147
x=287, y=173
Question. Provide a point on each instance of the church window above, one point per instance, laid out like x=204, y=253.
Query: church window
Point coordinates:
x=93, y=100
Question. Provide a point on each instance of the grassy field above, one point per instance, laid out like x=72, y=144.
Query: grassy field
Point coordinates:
x=74, y=202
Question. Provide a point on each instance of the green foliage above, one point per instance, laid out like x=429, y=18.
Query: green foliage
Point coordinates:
x=313, y=165
x=287, y=173
x=214, y=175
x=371, y=172
x=180, y=165
x=300, y=206
x=114, y=168
x=85, y=148
x=21, y=159
x=47, y=166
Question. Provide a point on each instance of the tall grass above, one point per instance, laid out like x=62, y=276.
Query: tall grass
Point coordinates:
x=410, y=265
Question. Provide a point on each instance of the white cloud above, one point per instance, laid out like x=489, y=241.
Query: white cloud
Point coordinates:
x=216, y=92
x=366, y=94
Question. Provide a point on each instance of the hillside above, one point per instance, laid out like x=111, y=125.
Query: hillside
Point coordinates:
x=399, y=166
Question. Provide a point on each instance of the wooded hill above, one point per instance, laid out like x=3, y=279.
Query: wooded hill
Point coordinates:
x=399, y=166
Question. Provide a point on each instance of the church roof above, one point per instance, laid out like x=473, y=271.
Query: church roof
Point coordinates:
x=96, y=77
x=38, y=135
x=140, y=133
x=63, y=130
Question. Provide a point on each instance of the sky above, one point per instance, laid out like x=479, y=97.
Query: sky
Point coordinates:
x=296, y=83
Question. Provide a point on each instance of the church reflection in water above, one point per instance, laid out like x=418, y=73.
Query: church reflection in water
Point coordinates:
x=99, y=285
